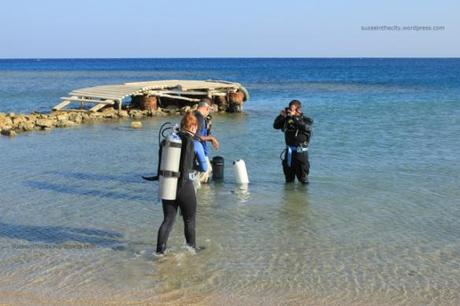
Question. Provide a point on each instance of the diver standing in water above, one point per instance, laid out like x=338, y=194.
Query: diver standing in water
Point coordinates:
x=191, y=158
x=297, y=132
x=204, y=134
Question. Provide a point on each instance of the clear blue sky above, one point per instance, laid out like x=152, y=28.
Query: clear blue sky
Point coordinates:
x=233, y=28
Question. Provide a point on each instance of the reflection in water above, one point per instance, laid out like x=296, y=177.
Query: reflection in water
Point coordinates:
x=61, y=234
x=242, y=192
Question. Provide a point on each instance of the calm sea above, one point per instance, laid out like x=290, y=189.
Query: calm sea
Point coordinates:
x=379, y=223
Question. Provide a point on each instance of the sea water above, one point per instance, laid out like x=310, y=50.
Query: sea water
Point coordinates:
x=378, y=224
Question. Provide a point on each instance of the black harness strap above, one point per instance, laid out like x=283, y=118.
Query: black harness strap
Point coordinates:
x=167, y=173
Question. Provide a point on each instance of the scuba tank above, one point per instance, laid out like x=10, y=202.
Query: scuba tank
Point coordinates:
x=168, y=163
x=169, y=167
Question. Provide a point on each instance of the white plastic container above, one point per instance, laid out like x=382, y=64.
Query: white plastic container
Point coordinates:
x=241, y=174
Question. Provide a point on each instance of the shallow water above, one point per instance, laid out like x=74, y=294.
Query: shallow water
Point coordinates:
x=377, y=225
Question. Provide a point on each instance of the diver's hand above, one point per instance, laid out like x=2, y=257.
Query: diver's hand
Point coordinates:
x=283, y=113
x=215, y=143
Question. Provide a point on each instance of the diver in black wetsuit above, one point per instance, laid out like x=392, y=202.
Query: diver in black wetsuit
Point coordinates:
x=191, y=151
x=297, y=132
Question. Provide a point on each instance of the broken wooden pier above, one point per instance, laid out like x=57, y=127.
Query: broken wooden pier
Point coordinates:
x=228, y=96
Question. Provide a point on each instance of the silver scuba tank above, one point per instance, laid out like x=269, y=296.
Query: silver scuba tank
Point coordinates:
x=169, y=167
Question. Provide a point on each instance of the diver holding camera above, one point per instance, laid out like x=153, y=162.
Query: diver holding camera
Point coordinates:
x=297, y=133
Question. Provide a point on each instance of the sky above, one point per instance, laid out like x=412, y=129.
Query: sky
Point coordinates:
x=233, y=28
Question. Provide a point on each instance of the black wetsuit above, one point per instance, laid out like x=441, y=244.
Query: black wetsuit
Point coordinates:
x=185, y=199
x=297, y=133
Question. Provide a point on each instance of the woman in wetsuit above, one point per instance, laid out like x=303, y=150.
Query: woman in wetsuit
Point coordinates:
x=192, y=158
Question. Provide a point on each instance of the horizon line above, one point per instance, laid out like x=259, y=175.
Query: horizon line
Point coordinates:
x=235, y=57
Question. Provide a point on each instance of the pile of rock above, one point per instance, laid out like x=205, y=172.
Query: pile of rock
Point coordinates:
x=11, y=123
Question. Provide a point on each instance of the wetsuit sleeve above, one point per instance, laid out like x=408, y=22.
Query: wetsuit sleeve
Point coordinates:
x=201, y=158
x=279, y=122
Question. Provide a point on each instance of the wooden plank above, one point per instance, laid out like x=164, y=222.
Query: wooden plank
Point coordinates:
x=110, y=87
x=61, y=105
x=177, y=97
x=92, y=93
x=97, y=107
x=180, y=92
x=89, y=101
x=186, y=84
x=125, y=90
x=108, y=97
x=220, y=94
x=113, y=88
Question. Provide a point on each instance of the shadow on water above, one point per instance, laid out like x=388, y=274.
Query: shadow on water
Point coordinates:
x=62, y=234
x=42, y=185
x=99, y=177
x=296, y=211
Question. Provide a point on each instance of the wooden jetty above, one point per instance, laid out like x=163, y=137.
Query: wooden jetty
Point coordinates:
x=228, y=96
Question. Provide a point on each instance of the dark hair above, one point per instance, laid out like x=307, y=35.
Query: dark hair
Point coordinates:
x=295, y=102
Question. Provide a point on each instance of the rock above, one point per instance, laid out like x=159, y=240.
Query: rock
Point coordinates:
x=62, y=117
x=136, y=114
x=123, y=114
x=18, y=120
x=8, y=132
x=214, y=108
x=172, y=109
x=148, y=113
x=45, y=123
x=26, y=126
x=109, y=113
x=31, y=117
x=96, y=115
x=185, y=109
x=5, y=121
x=160, y=112
x=75, y=117
x=136, y=124
x=11, y=115
x=65, y=124
x=85, y=117
x=235, y=108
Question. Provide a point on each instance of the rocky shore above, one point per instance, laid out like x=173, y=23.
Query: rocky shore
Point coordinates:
x=12, y=124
